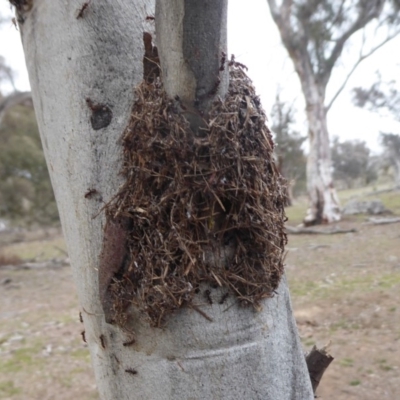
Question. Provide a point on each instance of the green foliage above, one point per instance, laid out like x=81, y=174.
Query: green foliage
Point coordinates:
x=351, y=162
x=291, y=158
x=25, y=189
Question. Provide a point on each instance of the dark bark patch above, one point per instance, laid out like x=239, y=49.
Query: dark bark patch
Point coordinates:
x=101, y=115
x=201, y=44
x=203, y=207
x=151, y=61
x=103, y=341
x=113, y=257
x=22, y=7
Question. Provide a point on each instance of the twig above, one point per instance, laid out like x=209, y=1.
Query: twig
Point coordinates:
x=195, y=308
x=382, y=221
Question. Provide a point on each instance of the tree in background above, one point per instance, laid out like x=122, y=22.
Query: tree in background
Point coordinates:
x=391, y=146
x=15, y=97
x=315, y=32
x=352, y=163
x=380, y=97
x=26, y=195
x=290, y=155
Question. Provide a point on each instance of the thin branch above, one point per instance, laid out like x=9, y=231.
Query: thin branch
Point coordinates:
x=360, y=59
x=363, y=19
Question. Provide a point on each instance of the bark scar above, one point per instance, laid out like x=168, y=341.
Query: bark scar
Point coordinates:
x=101, y=115
x=112, y=259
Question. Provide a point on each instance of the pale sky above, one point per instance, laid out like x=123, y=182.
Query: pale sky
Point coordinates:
x=254, y=39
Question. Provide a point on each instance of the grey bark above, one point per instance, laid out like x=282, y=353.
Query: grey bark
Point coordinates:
x=75, y=65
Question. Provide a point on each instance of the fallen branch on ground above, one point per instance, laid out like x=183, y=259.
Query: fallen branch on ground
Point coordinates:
x=316, y=231
x=382, y=221
x=54, y=263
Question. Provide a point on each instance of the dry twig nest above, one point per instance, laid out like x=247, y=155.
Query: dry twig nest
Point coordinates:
x=205, y=207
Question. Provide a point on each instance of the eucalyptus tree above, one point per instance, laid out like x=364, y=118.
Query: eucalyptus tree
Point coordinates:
x=84, y=61
x=384, y=97
x=14, y=98
x=315, y=33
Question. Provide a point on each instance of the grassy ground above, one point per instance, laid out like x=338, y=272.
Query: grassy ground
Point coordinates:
x=345, y=290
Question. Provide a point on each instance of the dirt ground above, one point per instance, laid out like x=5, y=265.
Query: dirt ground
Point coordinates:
x=345, y=290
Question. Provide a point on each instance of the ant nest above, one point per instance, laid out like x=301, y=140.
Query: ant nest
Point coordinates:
x=205, y=207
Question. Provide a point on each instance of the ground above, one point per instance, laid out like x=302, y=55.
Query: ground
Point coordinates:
x=345, y=291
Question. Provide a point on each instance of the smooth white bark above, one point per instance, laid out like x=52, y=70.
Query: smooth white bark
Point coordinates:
x=241, y=354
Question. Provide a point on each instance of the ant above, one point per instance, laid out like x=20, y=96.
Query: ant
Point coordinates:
x=223, y=59
x=207, y=293
x=131, y=371
x=223, y=298
x=129, y=343
x=90, y=193
x=82, y=9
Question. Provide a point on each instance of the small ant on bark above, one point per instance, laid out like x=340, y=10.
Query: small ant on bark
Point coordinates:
x=82, y=9
x=207, y=293
x=90, y=193
x=131, y=371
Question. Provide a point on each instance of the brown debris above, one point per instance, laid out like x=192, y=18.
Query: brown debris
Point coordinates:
x=204, y=207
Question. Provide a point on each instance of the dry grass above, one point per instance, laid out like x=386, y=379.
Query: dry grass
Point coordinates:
x=344, y=289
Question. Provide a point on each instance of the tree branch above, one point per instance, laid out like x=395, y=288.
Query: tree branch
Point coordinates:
x=360, y=59
x=366, y=15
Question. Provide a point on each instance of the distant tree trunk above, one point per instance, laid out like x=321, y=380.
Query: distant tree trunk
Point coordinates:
x=82, y=84
x=323, y=200
x=314, y=34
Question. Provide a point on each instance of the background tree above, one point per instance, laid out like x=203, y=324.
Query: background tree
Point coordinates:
x=382, y=96
x=391, y=146
x=290, y=155
x=82, y=85
x=13, y=98
x=25, y=190
x=315, y=33
x=351, y=162
x=26, y=194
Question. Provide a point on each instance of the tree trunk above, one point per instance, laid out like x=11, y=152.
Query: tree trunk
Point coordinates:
x=323, y=201
x=84, y=60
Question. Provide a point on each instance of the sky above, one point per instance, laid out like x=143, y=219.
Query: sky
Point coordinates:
x=254, y=39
